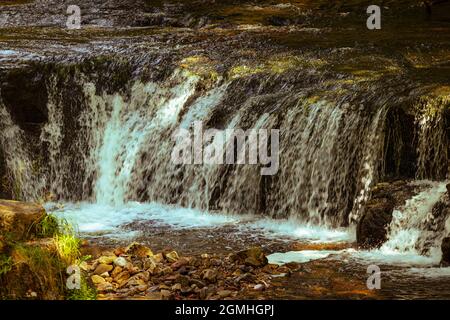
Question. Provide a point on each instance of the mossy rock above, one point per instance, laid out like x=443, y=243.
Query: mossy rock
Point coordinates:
x=19, y=220
x=32, y=271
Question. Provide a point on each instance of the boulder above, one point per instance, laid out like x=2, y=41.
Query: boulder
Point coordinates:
x=376, y=214
x=445, y=247
x=18, y=220
x=371, y=231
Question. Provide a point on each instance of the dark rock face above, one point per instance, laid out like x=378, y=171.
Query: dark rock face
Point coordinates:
x=445, y=247
x=371, y=230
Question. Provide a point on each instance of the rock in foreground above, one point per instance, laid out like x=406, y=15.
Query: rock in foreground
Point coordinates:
x=18, y=220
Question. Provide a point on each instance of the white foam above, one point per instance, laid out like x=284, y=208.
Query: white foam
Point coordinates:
x=393, y=258
x=101, y=218
x=299, y=256
x=294, y=228
x=7, y=52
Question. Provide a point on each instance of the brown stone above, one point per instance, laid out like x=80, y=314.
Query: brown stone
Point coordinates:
x=102, y=268
x=138, y=250
x=166, y=295
x=172, y=256
x=106, y=259
x=96, y=279
x=122, y=277
x=116, y=271
x=209, y=275
x=254, y=257
x=224, y=293
x=159, y=257
x=179, y=263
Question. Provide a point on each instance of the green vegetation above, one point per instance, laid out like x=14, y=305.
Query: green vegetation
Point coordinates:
x=48, y=227
x=41, y=264
x=5, y=264
x=86, y=292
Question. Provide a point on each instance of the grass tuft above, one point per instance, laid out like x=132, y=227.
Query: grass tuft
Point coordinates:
x=5, y=264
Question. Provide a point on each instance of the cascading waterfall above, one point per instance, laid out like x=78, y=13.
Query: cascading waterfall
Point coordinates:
x=409, y=232
x=115, y=148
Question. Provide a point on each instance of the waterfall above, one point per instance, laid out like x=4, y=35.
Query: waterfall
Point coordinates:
x=434, y=141
x=111, y=146
x=23, y=174
x=411, y=230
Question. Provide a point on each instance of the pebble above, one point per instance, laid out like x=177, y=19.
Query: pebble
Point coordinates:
x=259, y=287
x=96, y=279
x=121, y=262
x=102, y=268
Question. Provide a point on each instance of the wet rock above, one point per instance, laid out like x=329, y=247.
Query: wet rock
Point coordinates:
x=371, y=230
x=445, y=247
x=254, y=257
x=120, y=262
x=102, y=268
x=209, y=275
